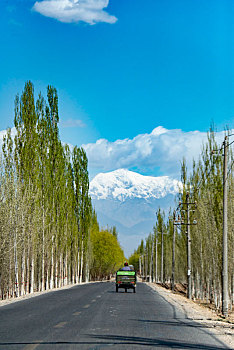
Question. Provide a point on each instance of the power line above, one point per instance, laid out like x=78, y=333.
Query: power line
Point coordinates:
x=211, y=168
x=213, y=151
x=230, y=144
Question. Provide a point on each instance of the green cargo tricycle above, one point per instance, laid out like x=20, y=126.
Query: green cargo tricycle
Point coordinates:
x=126, y=280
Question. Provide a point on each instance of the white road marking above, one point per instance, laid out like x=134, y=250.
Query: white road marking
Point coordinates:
x=86, y=306
x=77, y=313
x=60, y=325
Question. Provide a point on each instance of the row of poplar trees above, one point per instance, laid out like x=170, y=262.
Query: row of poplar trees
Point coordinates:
x=205, y=188
x=46, y=214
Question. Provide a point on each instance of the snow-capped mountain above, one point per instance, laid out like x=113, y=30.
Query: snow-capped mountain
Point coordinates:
x=129, y=201
x=123, y=184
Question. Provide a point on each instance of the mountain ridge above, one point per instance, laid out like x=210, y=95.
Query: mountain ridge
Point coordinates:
x=123, y=184
x=129, y=201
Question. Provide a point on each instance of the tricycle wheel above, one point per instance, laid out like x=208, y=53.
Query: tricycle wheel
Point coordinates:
x=116, y=289
x=134, y=290
x=125, y=290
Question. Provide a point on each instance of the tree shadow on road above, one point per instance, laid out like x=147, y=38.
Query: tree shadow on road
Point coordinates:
x=121, y=341
x=176, y=323
x=154, y=342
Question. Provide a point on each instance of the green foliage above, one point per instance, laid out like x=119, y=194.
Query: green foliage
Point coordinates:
x=107, y=255
x=134, y=260
x=205, y=187
x=46, y=215
x=46, y=212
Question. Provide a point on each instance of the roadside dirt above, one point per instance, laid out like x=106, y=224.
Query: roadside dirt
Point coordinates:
x=222, y=328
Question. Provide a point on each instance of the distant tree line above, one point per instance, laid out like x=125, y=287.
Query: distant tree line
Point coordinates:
x=205, y=188
x=49, y=234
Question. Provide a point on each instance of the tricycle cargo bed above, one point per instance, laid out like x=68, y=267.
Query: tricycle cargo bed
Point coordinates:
x=126, y=280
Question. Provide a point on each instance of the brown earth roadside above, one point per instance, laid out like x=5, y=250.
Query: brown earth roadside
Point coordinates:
x=223, y=329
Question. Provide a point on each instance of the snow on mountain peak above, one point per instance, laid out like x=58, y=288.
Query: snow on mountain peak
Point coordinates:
x=123, y=184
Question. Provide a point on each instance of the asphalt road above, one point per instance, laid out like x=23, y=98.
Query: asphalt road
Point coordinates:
x=94, y=316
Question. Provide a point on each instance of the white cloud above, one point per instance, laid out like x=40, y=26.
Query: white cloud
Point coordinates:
x=4, y=133
x=72, y=123
x=68, y=11
x=163, y=149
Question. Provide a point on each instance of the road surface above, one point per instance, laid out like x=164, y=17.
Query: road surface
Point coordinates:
x=94, y=316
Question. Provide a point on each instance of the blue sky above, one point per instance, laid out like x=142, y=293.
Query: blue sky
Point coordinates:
x=122, y=70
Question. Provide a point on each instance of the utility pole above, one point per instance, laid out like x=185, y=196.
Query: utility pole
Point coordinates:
x=225, y=235
x=156, y=257
x=146, y=266
x=173, y=255
x=140, y=265
x=152, y=261
x=162, y=258
x=225, y=228
x=143, y=266
x=187, y=223
x=188, y=250
x=150, y=264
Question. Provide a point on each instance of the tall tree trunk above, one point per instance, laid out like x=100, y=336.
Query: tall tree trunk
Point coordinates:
x=81, y=261
x=151, y=263
x=146, y=266
x=78, y=265
x=162, y=258
x=28, y=269
x=56, y=271
x=16, y=268
x=87, y=270
x=232, y=289
x=61, y=270
x=47, y=274
x=65, y=269
x=156, y=260
x=143, y=265
x=43, y=252
x=32, y=273
x=10, y=280
x=23, y=273
x=52, y=265
x=140, y=265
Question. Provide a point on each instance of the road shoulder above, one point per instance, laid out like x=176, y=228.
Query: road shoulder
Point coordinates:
x=224, y=331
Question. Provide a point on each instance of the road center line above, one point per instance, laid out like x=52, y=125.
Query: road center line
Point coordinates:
x=77, y=313
x=60, y=325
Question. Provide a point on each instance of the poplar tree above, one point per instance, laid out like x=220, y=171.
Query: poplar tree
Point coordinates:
x=83, y=204
x=205, y=187
x=46, y=214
